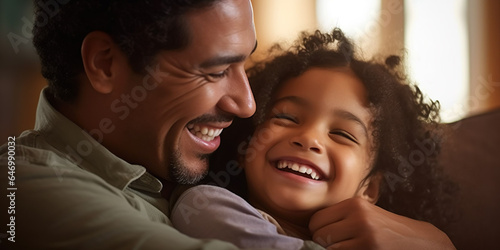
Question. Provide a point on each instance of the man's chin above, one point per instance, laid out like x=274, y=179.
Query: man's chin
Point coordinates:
x=190, y=178
x=182, y=172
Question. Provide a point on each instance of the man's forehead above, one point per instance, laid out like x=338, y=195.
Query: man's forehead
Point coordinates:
x=218, y=40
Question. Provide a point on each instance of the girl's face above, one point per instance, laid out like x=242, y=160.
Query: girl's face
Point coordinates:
x=313, y=149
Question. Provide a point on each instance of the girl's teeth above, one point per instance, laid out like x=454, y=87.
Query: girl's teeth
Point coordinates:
x=299, y=168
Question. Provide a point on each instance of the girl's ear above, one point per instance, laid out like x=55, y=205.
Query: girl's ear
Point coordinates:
x=371, y=188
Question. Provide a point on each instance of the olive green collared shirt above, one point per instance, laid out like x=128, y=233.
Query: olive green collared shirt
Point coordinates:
x=72, y=193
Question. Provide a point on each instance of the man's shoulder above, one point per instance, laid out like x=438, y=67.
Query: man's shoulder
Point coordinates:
x=27, y=138
x=30, y=150
x=35, y=161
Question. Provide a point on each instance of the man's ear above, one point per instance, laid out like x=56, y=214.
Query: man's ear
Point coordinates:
x=99, y=54
x=371, y=188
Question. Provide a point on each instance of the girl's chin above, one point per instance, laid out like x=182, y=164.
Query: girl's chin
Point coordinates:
x=296, y=206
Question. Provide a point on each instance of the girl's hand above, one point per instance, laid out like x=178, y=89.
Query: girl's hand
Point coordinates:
x=358, y=224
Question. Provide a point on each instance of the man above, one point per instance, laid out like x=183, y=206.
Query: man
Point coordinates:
x=138, y=94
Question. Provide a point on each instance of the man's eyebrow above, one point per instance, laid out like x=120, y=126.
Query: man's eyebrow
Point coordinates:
x=225, y=60
x=222, y=60
x=344, y=114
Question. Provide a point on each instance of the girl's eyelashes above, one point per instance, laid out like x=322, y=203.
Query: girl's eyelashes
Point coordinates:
x=286, y=117
x=345, y=135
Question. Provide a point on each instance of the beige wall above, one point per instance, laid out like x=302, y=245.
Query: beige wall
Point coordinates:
x=282, y=21
x=484, y=38
x=492, y=38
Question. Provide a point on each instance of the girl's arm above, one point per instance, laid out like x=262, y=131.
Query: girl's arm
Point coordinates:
x=212, y=212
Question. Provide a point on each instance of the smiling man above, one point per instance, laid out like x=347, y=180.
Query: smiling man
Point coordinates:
x=139, y=92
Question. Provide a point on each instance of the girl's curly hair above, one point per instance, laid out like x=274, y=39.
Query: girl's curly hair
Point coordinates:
x=406, y=129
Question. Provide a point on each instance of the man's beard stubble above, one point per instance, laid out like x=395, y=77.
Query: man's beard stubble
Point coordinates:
x=180, y=173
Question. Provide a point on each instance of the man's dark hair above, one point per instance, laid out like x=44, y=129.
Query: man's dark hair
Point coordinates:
x=406, y=130
x=141, y=29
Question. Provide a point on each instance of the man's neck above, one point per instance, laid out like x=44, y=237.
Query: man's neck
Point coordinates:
x=168, y=188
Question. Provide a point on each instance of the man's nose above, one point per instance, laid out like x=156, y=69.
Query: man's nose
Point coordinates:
x=238, y=99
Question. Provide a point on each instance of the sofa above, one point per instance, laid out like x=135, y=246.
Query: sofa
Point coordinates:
x=471, y=157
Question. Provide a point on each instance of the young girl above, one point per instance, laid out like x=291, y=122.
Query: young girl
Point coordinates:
x=328, y=127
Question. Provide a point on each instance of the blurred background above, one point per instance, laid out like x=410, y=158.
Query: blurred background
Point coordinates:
x=451, y=47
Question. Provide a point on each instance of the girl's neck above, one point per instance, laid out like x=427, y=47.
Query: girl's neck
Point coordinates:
x=294, y=229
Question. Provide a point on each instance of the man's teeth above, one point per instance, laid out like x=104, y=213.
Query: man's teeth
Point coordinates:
x=204, y=133
x=304, y=169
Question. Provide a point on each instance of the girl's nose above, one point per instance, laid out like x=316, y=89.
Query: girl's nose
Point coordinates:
x=308, y=140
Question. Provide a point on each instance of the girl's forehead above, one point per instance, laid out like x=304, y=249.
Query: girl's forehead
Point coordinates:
x=325, y=91
x=327, y=83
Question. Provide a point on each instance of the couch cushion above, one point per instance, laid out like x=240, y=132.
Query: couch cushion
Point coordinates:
x=471, y=157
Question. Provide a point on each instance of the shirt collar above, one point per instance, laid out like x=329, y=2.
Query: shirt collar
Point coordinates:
x=79, y=147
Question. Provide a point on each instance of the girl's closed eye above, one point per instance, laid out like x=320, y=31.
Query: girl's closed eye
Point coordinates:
x=286, y=118
x=345, y=135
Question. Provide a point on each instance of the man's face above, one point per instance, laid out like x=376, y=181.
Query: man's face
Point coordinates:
x=200, y=89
